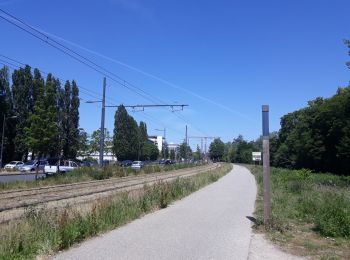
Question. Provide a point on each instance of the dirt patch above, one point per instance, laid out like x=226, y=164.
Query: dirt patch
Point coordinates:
x=261, y=248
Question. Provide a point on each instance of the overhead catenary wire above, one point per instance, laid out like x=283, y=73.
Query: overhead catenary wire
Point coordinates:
x=92, y=94
x=71, y=53
x=85, y=91
x=80, y=58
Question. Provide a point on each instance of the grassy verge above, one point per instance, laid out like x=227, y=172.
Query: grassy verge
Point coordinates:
x=92, y=173
x=44, y=232
x=310, y=212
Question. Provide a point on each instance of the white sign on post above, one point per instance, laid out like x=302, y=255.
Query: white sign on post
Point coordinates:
x=256, y=156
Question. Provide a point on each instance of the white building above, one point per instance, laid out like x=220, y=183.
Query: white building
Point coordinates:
x=158, y=141
x=173, y=147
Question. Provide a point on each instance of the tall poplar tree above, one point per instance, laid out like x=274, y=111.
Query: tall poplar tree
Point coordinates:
x=126, y=136
x=52, y=88
x=66, y=103
x=74, y=121
x=22, y=103
x=6, y=110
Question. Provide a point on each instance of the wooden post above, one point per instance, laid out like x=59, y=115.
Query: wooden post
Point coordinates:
x=266, y=163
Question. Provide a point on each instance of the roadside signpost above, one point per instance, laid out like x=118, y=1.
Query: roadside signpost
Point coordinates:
x=266, y=163
x=256, y=157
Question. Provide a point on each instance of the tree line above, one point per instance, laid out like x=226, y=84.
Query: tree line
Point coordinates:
x=316, y=137
x=41, y=116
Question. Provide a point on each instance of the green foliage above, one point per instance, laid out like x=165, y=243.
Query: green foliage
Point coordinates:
x=126, y=136
x=216, y=150
x=333, y=218
x=47, y=116
x=303, y=197
x=185, y=151
x=83, y=144
x=318, y=136
x=149, y=151
x=94, y=143
x=70, y=119
x=6, y=110
x=197, y=155
x=23, y=105
x=42, y=132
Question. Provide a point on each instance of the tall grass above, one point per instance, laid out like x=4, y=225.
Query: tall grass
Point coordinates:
x=43, y=232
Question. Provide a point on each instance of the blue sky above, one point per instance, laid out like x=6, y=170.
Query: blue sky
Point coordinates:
x=223, y=58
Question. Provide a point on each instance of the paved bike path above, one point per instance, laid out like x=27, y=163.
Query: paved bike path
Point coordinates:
x=209, y=224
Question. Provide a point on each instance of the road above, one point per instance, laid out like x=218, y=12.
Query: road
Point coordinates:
x=12, y=177
x=209, y=224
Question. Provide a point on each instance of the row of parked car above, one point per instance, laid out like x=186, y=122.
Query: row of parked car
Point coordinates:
x=47, y=166
x=52, y=166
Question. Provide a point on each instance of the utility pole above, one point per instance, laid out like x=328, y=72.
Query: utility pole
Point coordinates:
x=2, y=139
x=266, y=163
x=186, y=144
x=102, y=134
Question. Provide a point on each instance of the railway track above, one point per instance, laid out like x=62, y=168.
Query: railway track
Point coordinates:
x=16, y=201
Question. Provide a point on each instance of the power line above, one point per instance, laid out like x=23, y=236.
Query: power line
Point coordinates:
x=93, y=93
x=68, y=51
x=83, y=90
x=80, y=58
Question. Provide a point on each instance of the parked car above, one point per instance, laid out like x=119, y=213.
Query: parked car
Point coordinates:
x=86, y=163
x=31, y=166
x=168, y=161
x=13, y=165
x=125, y=163
x=137, y=165
x=61, y=166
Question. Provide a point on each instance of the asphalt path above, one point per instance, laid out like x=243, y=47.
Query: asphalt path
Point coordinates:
x=209, y=224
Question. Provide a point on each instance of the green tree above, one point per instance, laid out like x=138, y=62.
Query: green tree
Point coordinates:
x=150, y=151
x=83, y=147
x=74, y=121
x=66, y=125
x=22, y=90
x=243, y=150
x=231, y=154
x=126, y=135
x=185, y=151
x=216, y=150
x=197, y=155
x=94, y=143
x=6, y=109
x=38, y=131
x=142, y=140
